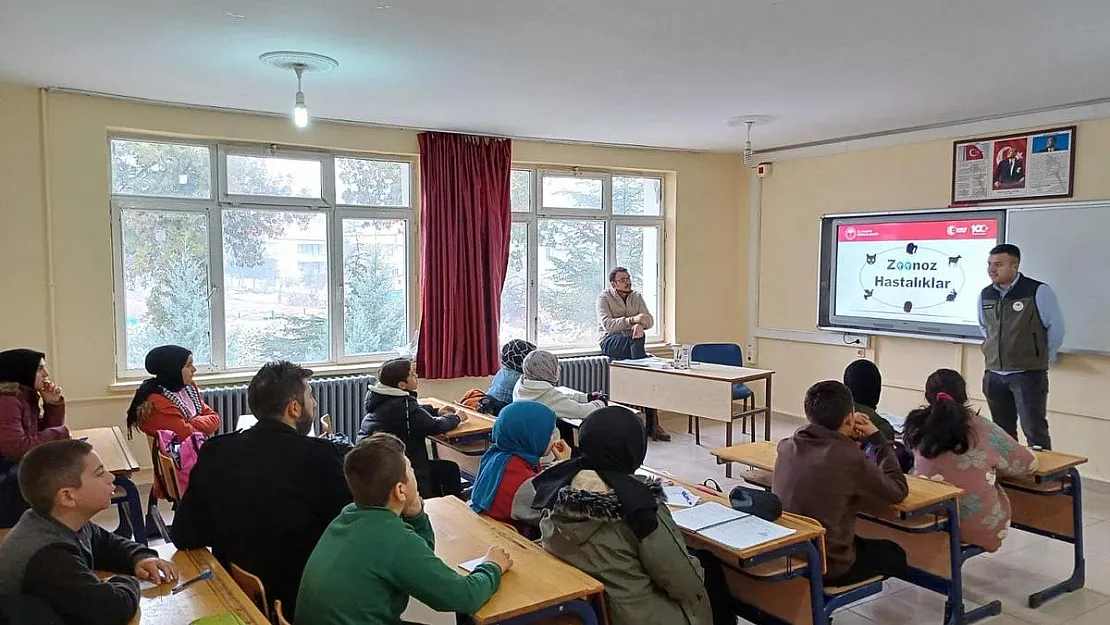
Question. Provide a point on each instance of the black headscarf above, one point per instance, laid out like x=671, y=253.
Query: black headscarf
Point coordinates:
x=865, y=381
x=614, y=444
x=513, y=353
x=165, y=364
x=20, y=365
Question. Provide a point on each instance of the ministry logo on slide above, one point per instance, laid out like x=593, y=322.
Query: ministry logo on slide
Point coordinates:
x=850, y=233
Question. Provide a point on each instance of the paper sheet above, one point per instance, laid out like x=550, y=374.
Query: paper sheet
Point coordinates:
x=679, y=496
x=706, y=515
x=746, y=532
x=470, y=565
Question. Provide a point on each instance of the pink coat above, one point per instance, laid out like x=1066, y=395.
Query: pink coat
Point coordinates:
x=22, y=425
x=985, y=509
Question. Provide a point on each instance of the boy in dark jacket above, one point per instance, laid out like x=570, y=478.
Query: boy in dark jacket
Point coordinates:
x=391, y=407
x=822, y=473
x=48, y=560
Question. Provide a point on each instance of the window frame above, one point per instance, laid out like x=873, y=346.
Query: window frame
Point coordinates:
x=213, y=209
x=538, y=212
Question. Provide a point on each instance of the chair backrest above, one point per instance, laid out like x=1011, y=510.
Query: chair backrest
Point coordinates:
x=165, y=471
x=252, y=586
x=279, y=618
x=718, y=354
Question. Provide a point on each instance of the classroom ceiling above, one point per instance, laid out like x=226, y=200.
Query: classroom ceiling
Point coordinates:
x=663, y=73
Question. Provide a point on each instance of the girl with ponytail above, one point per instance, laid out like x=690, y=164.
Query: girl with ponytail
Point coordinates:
x=953, y=443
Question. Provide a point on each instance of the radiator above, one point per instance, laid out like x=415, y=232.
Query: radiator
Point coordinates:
x=341, y=397
x=587, y=374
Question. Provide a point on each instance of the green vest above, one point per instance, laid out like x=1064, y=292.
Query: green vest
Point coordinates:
x=1016, y=337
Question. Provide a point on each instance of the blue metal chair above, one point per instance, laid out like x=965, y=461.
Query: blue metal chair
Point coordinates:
x=721, y=354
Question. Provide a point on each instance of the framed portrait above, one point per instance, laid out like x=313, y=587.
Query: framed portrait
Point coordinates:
x=1034, y=165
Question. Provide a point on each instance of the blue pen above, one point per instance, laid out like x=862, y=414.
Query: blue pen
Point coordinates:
x=205, y=574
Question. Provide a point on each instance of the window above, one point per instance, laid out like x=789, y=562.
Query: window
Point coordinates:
x=247, y=254
x=563, y=246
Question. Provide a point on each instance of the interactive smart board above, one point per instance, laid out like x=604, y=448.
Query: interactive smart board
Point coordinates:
x=916, y=273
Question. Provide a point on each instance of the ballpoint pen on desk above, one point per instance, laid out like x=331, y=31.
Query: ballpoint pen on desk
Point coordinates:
x=205, y=574
x=686, y=496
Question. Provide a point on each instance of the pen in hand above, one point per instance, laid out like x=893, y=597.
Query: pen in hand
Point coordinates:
x=204, y=575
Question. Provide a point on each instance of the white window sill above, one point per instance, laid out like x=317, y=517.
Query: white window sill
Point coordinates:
x=242, y=377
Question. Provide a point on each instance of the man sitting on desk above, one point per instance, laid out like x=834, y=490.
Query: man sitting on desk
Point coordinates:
x=623, y=317
x=261, y=498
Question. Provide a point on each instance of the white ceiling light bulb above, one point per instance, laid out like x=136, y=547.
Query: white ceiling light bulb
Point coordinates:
x=300, y=111
x=299, y=62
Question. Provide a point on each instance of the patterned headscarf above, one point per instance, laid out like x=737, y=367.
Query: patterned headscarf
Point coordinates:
x=513, y=354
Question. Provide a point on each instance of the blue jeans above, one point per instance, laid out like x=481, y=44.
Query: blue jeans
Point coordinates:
x=623, y=347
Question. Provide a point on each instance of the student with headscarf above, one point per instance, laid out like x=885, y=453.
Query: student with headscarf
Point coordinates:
x=513, y=354
x=539, y=383
x=862, y=377
x=866, y=384
x=24, y=382
x=600, y=517
x=523, y=433
x=170, y=400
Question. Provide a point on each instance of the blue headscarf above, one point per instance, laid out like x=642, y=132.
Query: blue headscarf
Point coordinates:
x=522, y=429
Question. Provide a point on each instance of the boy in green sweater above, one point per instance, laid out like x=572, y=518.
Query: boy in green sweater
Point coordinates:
x=380, y=550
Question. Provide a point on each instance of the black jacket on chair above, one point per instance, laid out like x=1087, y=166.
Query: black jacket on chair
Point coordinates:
x=261, y=498
x=397, y=412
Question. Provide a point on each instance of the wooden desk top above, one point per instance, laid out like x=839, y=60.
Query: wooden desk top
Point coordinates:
x=111, y=445
x=761, y=455
x=709, y=371
x=218, y=595
x=476, y=423
x=804, y=528
x=538, y=580
x=1053, y=462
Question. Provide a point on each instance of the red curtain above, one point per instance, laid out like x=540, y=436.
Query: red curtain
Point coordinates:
x=466, y=222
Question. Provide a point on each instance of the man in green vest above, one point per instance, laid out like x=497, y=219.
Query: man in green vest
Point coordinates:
x=1023, y=330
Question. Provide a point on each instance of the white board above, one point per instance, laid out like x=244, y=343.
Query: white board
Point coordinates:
x=1065, y=246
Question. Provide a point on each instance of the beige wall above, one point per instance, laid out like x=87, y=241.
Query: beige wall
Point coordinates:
x=706, y=200
x=904, y=177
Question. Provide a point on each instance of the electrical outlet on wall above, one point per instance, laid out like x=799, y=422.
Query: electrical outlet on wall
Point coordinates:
x=749, y=354
x=861, y=341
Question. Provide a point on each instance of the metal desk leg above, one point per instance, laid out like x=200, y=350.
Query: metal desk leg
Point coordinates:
x=583, y=610
x=728, y=443
x=766, y=415
x=134, y=508
x=954, y=613
x=816, y=582
x=1079, y=570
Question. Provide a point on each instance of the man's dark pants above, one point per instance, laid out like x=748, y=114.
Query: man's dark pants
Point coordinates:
x=1020, y=396
x=624, y=347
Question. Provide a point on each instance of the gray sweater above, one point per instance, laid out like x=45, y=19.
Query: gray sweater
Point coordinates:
x=43, y=560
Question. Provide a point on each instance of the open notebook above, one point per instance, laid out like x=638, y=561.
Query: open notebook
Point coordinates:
x=734, y=529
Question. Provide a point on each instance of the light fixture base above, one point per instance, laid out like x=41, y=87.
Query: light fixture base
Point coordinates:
x=304, y=61
x=754, y=120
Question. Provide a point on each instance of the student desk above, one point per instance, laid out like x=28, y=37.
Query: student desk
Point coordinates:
x=539, y=586
x=465, y=444
x=1050, y=504
x=767, y=578
x=918, y=524
x=110, y=444
x=704, y=390
x=218, y=595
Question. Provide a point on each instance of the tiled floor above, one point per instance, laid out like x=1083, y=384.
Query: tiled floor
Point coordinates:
x=1025, y=564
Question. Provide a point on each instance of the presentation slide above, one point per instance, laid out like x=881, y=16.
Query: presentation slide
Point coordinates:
x=913, y=271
